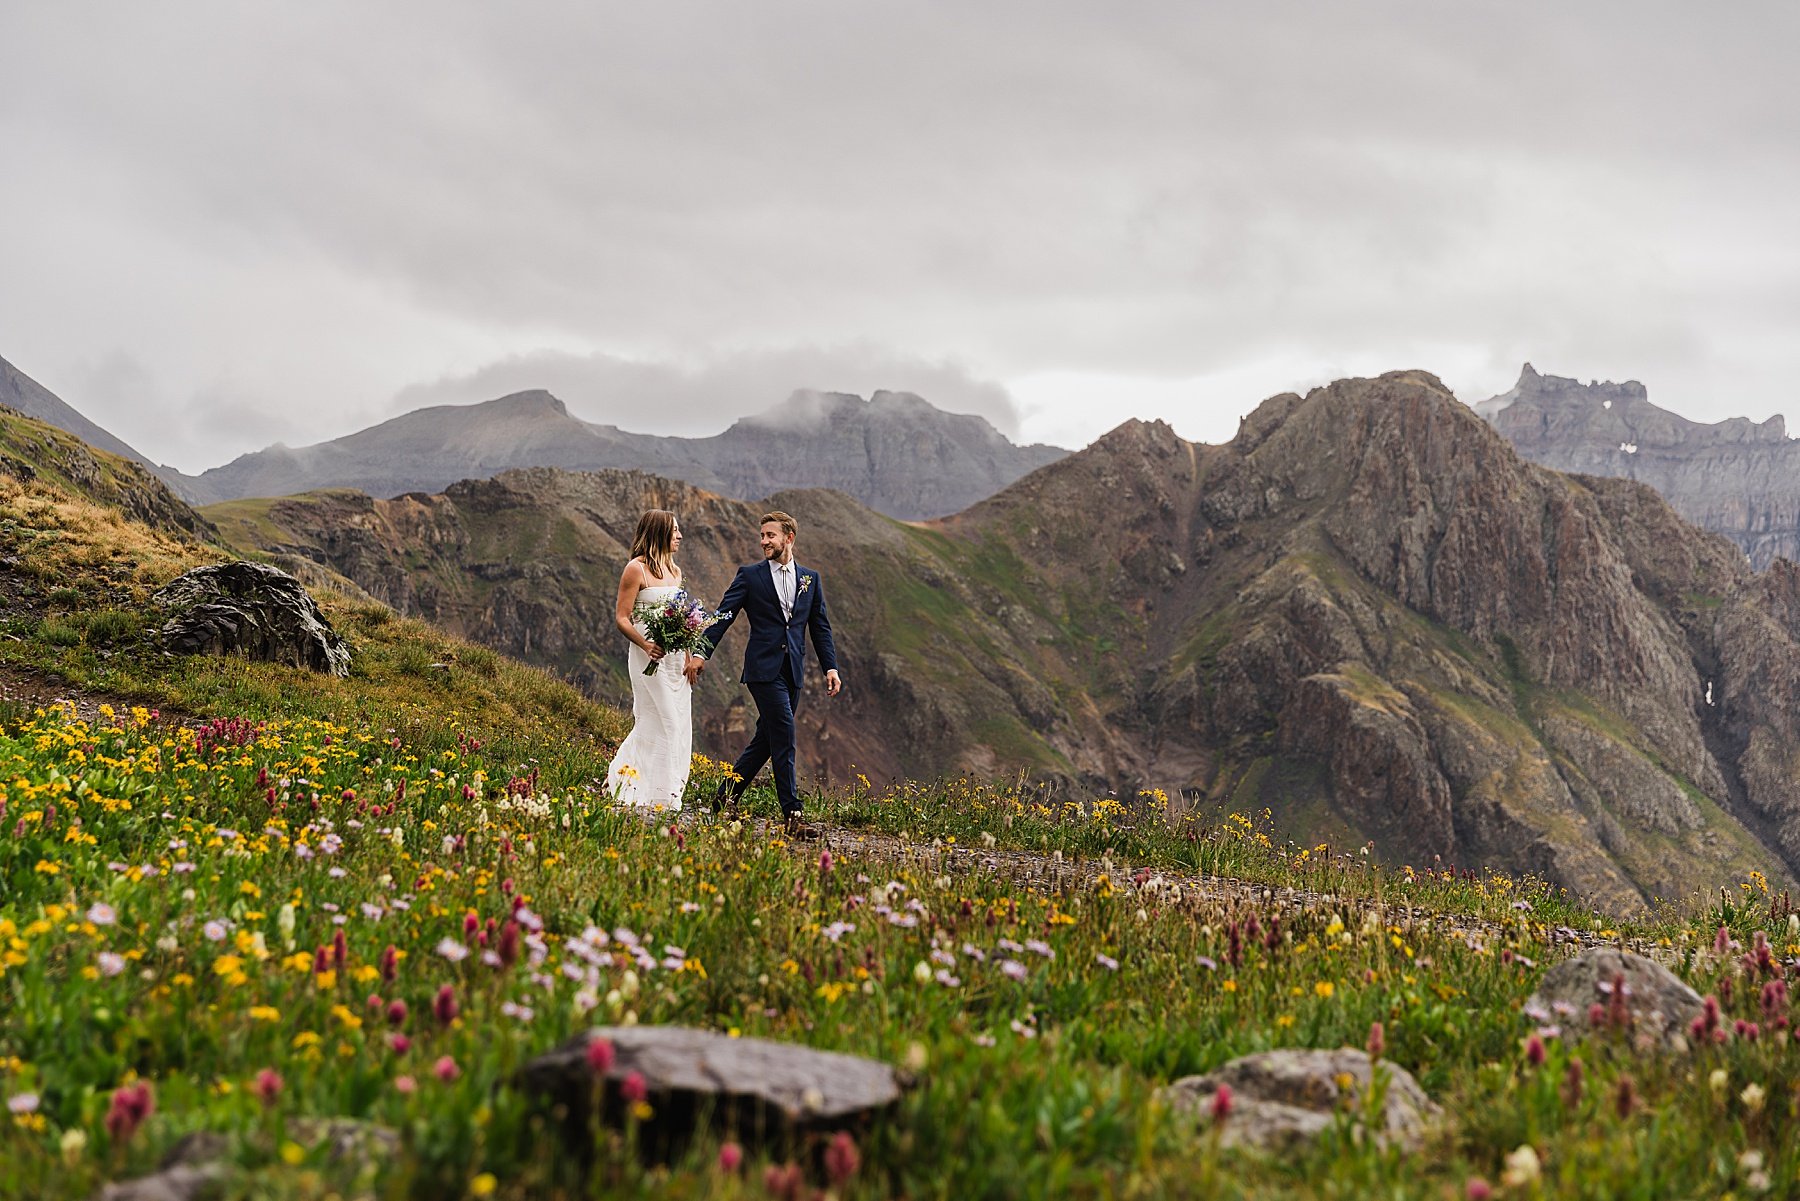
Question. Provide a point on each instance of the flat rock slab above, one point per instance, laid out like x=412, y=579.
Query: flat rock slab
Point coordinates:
x=1283, y=1098
x=758, y=1090
x=249, y=609
x=1659, y=1003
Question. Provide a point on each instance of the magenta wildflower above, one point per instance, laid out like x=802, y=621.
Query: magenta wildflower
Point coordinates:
x=842, y=1158
x=1221, y=1104
x=131, y=1105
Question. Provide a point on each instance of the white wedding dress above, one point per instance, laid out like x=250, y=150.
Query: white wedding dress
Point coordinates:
x=651, y=768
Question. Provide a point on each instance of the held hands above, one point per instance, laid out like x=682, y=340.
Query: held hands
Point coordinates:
x=833, y=685
x=695, y=665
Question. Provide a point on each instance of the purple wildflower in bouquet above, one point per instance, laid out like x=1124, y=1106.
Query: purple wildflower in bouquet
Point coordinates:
x=675, y=624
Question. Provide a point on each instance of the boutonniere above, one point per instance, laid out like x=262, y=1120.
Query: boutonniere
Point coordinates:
x=805, y=583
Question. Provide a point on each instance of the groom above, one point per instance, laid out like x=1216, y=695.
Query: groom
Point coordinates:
x=783, y=600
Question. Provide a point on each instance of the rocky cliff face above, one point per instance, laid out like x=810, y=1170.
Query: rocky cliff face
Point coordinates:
x=896, y=453
x=1366, y=612
x=1737, y=477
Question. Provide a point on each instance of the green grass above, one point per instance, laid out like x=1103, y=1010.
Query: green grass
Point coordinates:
x=1046, y=1084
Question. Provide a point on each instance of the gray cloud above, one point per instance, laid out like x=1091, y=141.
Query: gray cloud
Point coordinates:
x=324, y=204
x=702, y=396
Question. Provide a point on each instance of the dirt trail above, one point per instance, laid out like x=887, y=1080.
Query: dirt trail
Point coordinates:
x=1051, y=874
x=39, y=690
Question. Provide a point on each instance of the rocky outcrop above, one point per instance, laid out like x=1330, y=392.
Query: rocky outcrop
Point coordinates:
x=1277, y=1100
x=1737, y=477
x=896, y=453
x=253, y=610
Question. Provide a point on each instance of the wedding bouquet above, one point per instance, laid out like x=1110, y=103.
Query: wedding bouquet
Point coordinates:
x=675, y=624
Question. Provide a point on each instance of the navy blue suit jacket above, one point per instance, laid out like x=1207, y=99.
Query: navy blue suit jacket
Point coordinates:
x=776, y=646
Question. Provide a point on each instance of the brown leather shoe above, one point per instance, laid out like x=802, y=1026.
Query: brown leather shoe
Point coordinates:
x=799, y=828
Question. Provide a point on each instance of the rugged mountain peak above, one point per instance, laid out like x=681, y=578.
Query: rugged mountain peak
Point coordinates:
x=1736, y=477
x=1136, y=435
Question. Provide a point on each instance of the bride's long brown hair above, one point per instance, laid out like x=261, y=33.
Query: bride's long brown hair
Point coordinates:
x=655, y=541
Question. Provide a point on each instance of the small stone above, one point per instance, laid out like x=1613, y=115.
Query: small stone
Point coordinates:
x=1657, y=1001
x=1283, y=1098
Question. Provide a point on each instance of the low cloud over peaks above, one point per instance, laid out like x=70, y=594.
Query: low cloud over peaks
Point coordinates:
x=702, y=396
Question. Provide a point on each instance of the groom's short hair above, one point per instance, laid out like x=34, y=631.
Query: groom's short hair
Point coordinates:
x=788, y=525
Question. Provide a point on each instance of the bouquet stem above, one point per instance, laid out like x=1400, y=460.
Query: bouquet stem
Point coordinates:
x=654, y=664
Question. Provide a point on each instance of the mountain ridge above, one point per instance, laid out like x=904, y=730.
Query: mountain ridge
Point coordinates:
x=896, y=452
x=1366, y=612
x=23, y=394
x=1737, y=477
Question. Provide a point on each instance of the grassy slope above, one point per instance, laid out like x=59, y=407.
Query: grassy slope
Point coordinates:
x=79, y=608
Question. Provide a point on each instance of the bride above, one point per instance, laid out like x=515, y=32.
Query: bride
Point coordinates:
x=651, y=767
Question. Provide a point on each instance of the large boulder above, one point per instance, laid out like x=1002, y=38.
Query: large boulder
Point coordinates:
x=762, y=1092
x=1658, y=1003
x=249, y=609
x=1279, y=1099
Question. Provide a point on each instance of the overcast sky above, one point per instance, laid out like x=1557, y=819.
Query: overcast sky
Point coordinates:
x=227, y=224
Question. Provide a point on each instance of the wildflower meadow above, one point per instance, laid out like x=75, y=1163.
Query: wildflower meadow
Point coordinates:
x=258, y=927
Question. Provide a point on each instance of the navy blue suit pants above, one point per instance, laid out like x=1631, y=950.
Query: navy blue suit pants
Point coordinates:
x=776, y=701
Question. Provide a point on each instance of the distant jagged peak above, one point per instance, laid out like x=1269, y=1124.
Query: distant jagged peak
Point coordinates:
x=1536, y=384
x=1565, y=408
x=1557, y=390
x=808, y=408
